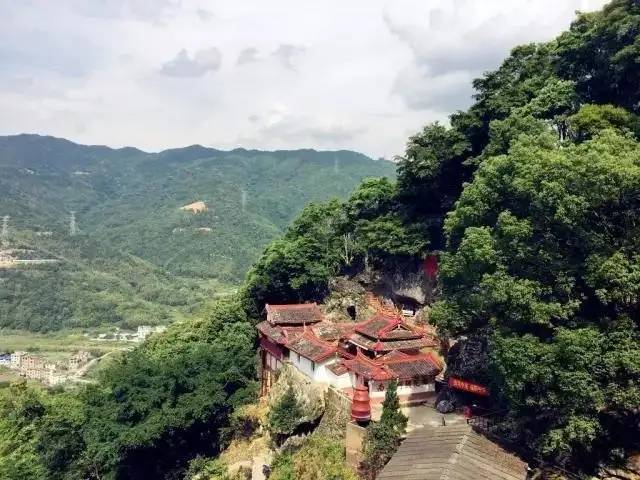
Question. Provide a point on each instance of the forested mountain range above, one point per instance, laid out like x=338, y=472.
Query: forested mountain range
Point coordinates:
x=134, y=256
x=530, y=199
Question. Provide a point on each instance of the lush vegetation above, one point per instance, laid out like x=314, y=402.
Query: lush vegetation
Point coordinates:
x=152, y=412
x=530, y=197
x=136, y=257
x=284, y=416
x=319, y=458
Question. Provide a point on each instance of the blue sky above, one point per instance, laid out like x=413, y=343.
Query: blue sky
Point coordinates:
x=268, y=74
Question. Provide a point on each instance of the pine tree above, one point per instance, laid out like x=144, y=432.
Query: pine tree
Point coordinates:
x=285, y=414
x=392, y=417
x=383, y=437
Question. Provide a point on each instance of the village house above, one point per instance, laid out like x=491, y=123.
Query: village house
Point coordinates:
x=145, y=330
x=31, y=363
x=372, y=353
x=5, y=360
x=78, y=359
x=16, y=359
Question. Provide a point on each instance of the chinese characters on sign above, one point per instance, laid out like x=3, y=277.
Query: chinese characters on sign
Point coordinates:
x=467, y=386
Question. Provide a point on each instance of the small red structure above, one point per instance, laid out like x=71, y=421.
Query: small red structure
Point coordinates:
x=361, y=406
x=430, y=266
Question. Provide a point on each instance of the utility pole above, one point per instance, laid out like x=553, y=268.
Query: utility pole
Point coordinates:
x=73, y=228
x=4, y=233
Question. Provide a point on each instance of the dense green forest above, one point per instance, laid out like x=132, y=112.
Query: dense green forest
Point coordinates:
x=530, y=198
x=136, y=258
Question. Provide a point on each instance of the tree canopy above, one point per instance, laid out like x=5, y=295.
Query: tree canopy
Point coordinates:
x=531, y=199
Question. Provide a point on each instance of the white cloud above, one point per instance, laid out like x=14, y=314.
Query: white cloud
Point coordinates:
x=453, y=42
x=247, y=55
x=363, y=74
x=204, y=61
x=288, y=55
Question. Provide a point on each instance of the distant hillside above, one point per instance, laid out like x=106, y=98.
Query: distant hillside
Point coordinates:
x=130, y=228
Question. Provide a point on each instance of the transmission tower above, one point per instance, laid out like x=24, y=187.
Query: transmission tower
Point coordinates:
x=4, y=233
x=73, y=227
x=243, y=200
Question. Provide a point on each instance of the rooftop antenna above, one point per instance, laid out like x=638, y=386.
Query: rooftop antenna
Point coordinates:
x=73, y=227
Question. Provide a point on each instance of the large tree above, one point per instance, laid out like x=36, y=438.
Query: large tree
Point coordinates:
x=543, y=257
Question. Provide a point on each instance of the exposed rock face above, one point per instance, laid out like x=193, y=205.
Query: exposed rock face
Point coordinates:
x=406, y=281
x=411, y=285
x=336, y=416
x=631, y=471
x=469, y=359
x=346, y=294
x=310, y=397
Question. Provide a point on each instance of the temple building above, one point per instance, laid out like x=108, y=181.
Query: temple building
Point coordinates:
x=287, y=336
x=344, y=356
x=384, y=349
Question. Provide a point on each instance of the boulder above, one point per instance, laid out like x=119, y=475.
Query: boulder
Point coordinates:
x=445, y=406
x=630, y=471
x=468, y=358
x=310, y=396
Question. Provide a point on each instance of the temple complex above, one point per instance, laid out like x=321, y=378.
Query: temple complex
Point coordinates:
x=344, y=356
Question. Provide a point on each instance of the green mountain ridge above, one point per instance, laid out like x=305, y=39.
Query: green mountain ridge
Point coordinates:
x=128, y=223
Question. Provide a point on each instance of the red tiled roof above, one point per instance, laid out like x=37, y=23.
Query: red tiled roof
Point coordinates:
x=406, y=366
x=274, y=333
x=394, y=365
x=367, y=368
x=295, y=314
x=383, y=327
x=389, y=345
x=337, y=368
x=330, y=331
x=273, y=348
x=310, y=346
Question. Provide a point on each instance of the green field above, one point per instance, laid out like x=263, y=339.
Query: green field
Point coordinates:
x=58, y=346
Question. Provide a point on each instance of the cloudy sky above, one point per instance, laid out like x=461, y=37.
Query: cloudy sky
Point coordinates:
x=268, y=74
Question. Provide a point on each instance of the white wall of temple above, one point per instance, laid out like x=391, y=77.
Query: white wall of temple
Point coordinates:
x=378, y=389
x=315, y=371
x=339, y=381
